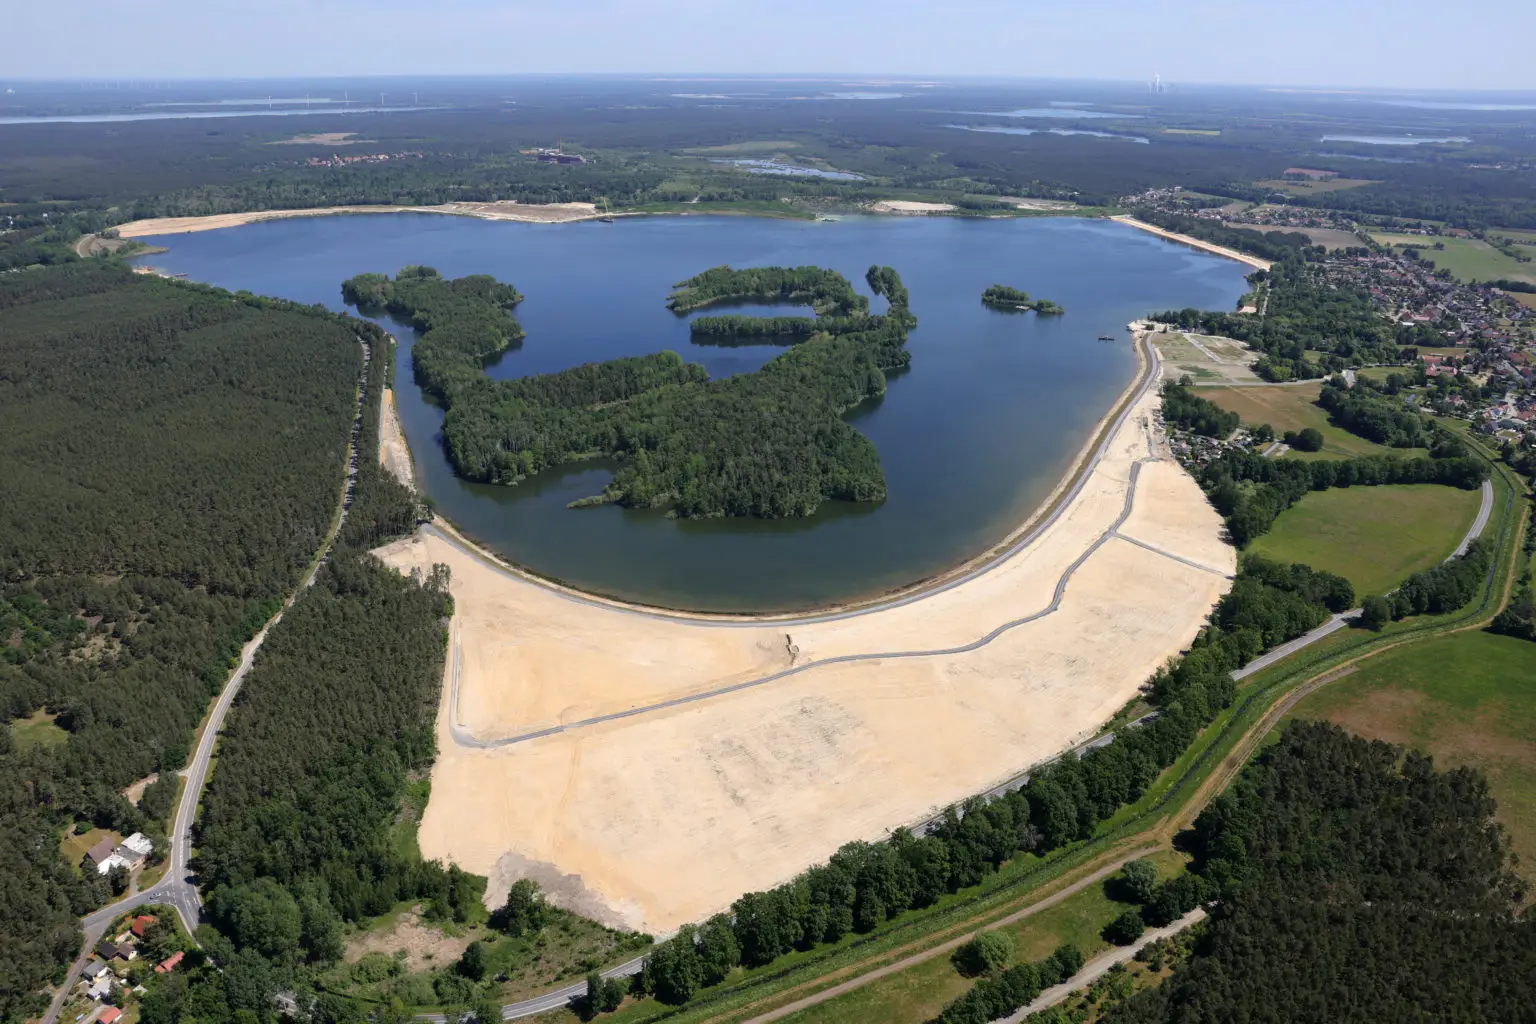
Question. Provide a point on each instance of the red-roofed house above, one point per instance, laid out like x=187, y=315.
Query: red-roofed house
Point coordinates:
x=169, y=964
x=142, y=922
x=109, y=1015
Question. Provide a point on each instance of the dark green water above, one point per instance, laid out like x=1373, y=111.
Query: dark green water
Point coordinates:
x=972, y=438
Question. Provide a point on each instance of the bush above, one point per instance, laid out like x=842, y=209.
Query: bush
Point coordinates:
x=1069, y=959
x=1375, y=612
x=1308, y=440
x=987, y=953
x=1125, y=929
x=1138, y=880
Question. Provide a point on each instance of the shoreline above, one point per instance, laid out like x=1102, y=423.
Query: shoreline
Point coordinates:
x=1148, y=371
x=1210, y=247
x=524, y=213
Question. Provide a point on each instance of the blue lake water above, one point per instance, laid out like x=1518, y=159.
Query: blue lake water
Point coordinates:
x=192, y=115
x=972, y=438
x=1001, y=130
x=1395, y=140
x=1064, y=113
x=791, y=170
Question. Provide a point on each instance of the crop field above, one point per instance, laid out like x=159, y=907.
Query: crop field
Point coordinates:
x=1465, y=699
x=1314, y=188
x=1375, y=537
x=1294, y=408
x=1466, y=258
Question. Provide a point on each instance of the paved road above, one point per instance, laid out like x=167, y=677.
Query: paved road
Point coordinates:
x=560, y=997
x=178, y=887
x=1478, y=524
x=1100, y=965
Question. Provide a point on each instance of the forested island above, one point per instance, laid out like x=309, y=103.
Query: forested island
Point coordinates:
x=770, y=444
x=1000, y=296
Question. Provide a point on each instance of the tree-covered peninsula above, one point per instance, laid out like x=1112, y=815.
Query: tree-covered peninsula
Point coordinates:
x=1000, y=296
x=771, y=443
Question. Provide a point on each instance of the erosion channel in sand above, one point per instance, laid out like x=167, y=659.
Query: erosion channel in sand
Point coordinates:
x=649, y=768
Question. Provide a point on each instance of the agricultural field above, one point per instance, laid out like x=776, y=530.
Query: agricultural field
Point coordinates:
x=919, y=993
x=1314, y=188
x=1287, y=407
x=1465, y=699
x=1375, y=537
x=1466, y=258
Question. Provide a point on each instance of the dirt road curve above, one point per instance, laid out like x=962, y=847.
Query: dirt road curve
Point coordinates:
x=179, y=886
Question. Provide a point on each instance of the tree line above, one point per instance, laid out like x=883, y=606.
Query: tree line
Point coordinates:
x=1183, y=407
x=1000, y=296
x=865, y=884
x=1353, y=881
x=172, y=455
x=1367, y=413
x=771, y=443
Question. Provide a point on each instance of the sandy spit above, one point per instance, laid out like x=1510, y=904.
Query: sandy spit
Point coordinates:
x=664, y=817
x=909, y=206
x=1219, y=250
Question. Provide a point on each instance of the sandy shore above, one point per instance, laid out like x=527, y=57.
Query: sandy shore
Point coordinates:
x=550, y=213
x=394, y=451
x=909, y=206
x=1219, y=250
x=665, y=816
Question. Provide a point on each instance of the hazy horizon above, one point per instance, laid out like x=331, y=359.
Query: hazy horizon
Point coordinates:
x=1406, y=45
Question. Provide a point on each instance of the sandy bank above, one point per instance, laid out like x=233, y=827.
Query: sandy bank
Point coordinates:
x=909, y=206
x=551, y=213
x=1219, y=250
x=665, y=816
x=394, y=452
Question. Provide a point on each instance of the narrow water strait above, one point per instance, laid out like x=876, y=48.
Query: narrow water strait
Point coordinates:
x=972, y=438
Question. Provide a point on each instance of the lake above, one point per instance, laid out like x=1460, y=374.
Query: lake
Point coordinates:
x=1396, y=140
x=973, y=437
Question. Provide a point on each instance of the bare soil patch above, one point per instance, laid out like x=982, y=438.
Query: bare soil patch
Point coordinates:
x=908, y=206
x=321, y=139
x=425, y=945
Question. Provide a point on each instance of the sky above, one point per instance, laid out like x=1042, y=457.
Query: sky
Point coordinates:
x=1412, y=44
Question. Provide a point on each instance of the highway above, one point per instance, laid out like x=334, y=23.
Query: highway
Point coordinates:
x=178, y=887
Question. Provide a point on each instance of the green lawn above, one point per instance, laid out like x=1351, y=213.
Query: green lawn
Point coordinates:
x=1467, y=699
x=1375, y=537
x=1295, y=408
x=37, y=730
x=919, y=993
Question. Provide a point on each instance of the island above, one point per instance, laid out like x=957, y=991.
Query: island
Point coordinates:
x=770, y=444
x=1016, y=300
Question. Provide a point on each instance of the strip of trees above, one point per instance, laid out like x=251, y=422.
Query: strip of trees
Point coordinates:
x=1184, y=408
x=771, y=443
x=1001, y=296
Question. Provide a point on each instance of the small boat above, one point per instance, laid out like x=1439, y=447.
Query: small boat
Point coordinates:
x=1106, y=337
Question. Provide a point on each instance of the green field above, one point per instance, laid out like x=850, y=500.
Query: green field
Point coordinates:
x=1373, y=536
x=919, y=993
x=1313, y=188
x=1466, y=258
x=1294, y=408
x=1467, y=699
x=37, y=730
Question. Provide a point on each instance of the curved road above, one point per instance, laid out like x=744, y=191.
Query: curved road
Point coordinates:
x=178, y=888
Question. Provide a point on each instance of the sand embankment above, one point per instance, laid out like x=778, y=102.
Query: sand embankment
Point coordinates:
x=1219, y=250
x=549, y=213
x=665, y=816
x=394, y=451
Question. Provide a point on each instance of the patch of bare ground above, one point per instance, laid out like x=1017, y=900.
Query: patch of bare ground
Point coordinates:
x=425, y=945
x=909, y=207
x=321, y=139
x=1025, y=203
x=134, y=793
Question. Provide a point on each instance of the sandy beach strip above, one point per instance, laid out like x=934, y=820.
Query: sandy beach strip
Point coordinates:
x=549, y=213
x=661, y=817
x=1211, y=247
x=909, y=206
x=394, y=450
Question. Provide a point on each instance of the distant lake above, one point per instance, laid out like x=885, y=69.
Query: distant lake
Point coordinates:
x=1394, y=140
x=973, y=437
x=792, y=170
x=1432, y=105
x=1062, y=112
x=181, y=115
x=1001, y=130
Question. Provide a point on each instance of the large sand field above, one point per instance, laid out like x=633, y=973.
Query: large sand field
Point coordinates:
x=556, y=762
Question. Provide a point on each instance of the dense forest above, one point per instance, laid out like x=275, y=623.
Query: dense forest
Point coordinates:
x=771, y=443
x=1184, y=408
x=1385, y=419
x=173, y=456
x=1250, y=491
x=1304, y=312
x=1353, y=882
x=865, y=884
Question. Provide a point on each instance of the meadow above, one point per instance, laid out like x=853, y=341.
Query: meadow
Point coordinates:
x=1293, y=407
